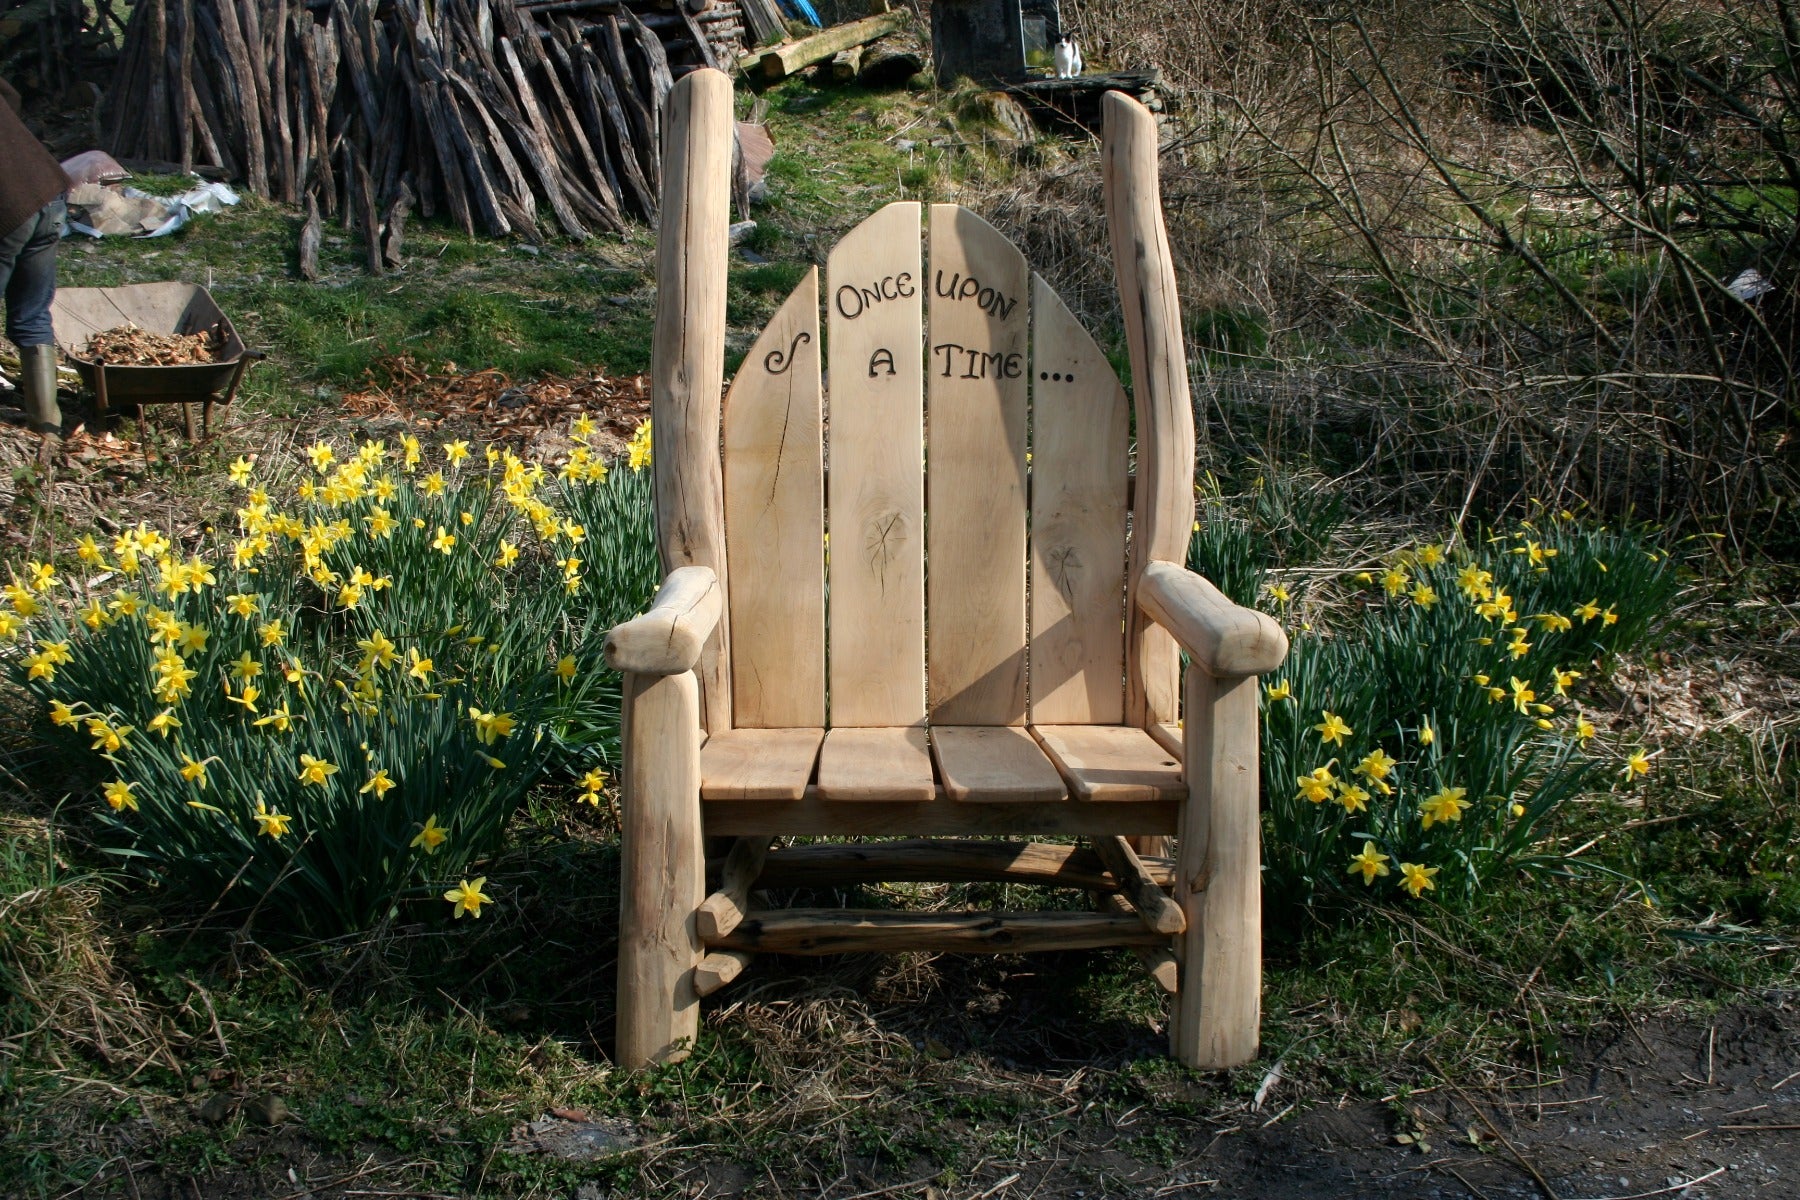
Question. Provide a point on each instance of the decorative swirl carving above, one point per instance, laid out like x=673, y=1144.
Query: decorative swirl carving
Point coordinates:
x=777, y=363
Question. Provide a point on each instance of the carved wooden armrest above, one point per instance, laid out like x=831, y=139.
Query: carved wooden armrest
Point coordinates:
x=1226, y=639
x=667, y=640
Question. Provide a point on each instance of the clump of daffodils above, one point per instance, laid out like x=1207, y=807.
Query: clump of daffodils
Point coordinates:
x=1422, y=746
x=337, y=705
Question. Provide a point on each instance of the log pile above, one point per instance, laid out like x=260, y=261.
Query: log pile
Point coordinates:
x=479, y=109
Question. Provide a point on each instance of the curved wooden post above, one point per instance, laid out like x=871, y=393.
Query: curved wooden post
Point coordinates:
x=687, y=361
x=1163, y=516
x=1217, y=1012
x=662, y=871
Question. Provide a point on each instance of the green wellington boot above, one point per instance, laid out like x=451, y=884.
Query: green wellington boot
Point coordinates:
x=38, y=388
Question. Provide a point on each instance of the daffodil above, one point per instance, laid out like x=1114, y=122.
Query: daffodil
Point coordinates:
x=1446, y=804
x=62, y=713
x=245, y=666
x=1609, y=617
x=1332, y=730
x=430, y=836
x=433, y=484
x=1279, y=594
x=1431, y=556
x=315, y=771
x=280, y=718
x=247, y=697
x=1588, y=611
x=1377, y=764
x=1522, y=695
x=591, y=783
x=118, y=795
x=468, y=897
x=1279, y=690
x=1423, y=595
x=379, y=783
x=88, y=551
x=491, y=727
x=1394, y=581
x=418, y=666
x=241, y=604
x=565, y=668
x=508, y=555
x=1636, y=763
x=455, y=452
x=163, y=723
x=638, y=450
x=1584, y=728
x=1369, y=864
x=1475, y=583
x=269, y=823
x=444, y=542
x=194, y=772
x=1354, y=797
x=271, y=633
x=1316, y=786
x=1417, y=879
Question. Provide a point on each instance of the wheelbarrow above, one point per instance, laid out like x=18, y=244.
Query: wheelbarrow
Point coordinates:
x=186, y=308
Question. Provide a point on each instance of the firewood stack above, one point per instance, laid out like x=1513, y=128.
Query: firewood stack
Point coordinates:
x=361, y=109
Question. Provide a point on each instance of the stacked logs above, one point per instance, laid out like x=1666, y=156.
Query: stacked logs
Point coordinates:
x=362, y=109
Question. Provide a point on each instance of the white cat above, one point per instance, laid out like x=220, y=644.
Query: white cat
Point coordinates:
x=1068, y=58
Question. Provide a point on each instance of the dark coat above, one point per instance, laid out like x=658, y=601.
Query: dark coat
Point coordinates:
x=30, y=176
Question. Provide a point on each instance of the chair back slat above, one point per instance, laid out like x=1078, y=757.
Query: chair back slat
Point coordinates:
x=976, y=357
x=775, y=522
x=1079, y=451
x=875, y=307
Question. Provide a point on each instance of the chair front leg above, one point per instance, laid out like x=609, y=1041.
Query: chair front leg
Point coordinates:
x=662, y=871
x=1218, y=878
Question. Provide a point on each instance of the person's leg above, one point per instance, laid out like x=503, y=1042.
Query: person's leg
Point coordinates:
x=30, y=274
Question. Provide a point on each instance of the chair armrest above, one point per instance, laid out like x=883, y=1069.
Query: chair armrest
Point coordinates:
x=667, y=639
x=1224, y=638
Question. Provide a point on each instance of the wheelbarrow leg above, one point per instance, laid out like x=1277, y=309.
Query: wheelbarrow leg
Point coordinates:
x=187, y=419
x=101, y=407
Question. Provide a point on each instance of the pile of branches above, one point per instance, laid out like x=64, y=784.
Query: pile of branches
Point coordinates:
x=361, y=109
x=47, y=47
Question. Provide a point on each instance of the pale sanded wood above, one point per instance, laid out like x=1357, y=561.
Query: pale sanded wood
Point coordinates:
x=1163, y=514
x=1218, y=883
x=662, y=870
x=671, y=637
x=837, y=931
x=930, y=860
x=875, y=301
x=998, y=764
x=1157, y=911
x=720, y=912
x=1169, y=738
x=892, y=763
x=1111, y=763
x=975, y=364
x=758, y=764
x=687, y=356
x=939, y=817
x=719, y=968
x=1225, y=639
x=775, y=522
x=1080, y=462
x=1159, y=961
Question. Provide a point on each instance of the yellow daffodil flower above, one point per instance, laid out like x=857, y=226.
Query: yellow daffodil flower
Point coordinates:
x=1446, y=804
x=194, y=772
x=1431, y=556
x=565, y=668
x=433, y=484
x=1354, y=797
x=455, y=452
x=418, y=666
x=639, y=448
x=1369, y=864
x=62, y=713
x=1588, y=611
x=431, y=836
x=118, y=795
x=269, y=823
x=163, y=722
x=1279, y=594
x=1332, y=730
x=1417, y=879
x=1637, y=763
x=508, y=555
x=315, y=771
x=444, y=542
x=1376, y=764
x=1423, y=595
x=1427, y=735
x=379, y=783
x=468, y=897
x=1316, y=786
x=1584, y=728
x=1279, y=690
x=1522, y=695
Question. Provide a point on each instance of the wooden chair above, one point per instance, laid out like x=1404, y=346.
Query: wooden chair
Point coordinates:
x=1010, y=667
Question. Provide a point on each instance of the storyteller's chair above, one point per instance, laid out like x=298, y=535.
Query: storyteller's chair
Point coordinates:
x=943, y=610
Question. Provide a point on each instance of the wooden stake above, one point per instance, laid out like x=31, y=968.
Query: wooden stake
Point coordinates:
x=1156, y=910
x=662, y=871
x=816, y=931
x=1218, y=882
x=688, y=351
x=722, y=911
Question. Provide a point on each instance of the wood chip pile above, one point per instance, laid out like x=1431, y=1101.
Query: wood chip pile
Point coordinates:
x=481, y=109
x=129, y=346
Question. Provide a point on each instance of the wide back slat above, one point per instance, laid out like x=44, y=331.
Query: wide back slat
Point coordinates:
x=775, y=522
x=1004, y=361
x=1079, y=431
x=875, y=299
x=980, y=322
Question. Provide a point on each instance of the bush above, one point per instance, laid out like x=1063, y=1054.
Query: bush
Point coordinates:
x=335, y=712
x=1424, y=742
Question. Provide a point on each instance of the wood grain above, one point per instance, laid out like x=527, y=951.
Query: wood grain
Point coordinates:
x=994, y=764
x=980, y=322
x=1218, y=882
x=662, y=870
x=875, y=299
x=932, y=860
x=1163, y=514
x=1111, y=763
x=837, y=931
x=1080, y=461
x=687, y=357
x=867, y=764
x=758, y=764
x=775, y=521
